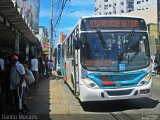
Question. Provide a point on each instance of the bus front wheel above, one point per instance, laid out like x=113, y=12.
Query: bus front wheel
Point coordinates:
x=74, y=86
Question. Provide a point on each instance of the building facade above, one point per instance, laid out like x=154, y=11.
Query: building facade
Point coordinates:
x=108, y=7
x=16, y=35
x=42, y=36
x=62, y=37
x=144, y=4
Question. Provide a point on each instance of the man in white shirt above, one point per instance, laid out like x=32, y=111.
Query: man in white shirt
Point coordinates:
x=34, y=68
x=18, y=83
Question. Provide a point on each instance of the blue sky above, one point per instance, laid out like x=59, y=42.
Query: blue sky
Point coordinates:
x=69, y=19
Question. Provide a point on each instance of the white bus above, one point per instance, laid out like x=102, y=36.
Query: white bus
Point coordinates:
x=56, y=56
x=108, y=58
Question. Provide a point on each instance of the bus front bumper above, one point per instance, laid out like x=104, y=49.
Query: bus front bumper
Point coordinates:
x=89, y=94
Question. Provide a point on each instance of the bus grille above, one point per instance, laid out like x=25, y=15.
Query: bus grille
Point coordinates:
x=119, y=92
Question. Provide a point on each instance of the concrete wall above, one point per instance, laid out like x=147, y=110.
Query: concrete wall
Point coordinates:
x=144, y=4
x=153, y=30
x=150, y=15
x=153, y=36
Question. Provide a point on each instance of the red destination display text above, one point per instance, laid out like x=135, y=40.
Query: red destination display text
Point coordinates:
x=114, y=23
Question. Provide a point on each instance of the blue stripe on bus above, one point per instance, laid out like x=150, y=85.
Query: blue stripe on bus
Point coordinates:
x=123, y=80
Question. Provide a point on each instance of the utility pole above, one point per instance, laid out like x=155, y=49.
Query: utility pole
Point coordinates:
x=158, y=17
x=158, y=27
x=51, y=32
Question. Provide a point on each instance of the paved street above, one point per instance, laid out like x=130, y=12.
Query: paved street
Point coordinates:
x=64, y=106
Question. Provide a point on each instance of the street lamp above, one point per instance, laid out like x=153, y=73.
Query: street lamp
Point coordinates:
x=61, y=17
x=56, y=25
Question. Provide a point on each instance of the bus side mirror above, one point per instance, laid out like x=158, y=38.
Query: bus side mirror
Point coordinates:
x=76, y=44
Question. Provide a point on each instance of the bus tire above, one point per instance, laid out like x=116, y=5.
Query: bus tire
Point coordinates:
x=74, y=86
x=59, y=73
x=64, y=81
x=75, y=91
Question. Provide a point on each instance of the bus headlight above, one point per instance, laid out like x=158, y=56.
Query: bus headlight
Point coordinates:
x=145, y=80
x=91, y=84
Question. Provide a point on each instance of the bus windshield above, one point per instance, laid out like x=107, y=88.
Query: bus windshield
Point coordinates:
x=114, y=51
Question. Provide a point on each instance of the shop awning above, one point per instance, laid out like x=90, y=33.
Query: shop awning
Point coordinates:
x=11, y=22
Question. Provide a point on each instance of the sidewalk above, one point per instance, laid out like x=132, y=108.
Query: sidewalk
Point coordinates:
x=38, y=103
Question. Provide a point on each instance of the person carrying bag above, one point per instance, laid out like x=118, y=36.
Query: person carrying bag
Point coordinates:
x=18, y=84
x=29, y=77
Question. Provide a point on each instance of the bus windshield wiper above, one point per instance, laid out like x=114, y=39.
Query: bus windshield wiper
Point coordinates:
x=101, y=38
x=129, y=39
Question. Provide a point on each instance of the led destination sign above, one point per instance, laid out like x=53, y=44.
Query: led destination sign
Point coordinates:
x=113, y=23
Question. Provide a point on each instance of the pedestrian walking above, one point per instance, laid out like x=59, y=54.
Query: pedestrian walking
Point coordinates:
x=34, y=68
x=50, y=67
x=41, y=67
x=46, y=67
x=18, y=84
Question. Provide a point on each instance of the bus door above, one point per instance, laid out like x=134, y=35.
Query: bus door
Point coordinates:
x=76, y=71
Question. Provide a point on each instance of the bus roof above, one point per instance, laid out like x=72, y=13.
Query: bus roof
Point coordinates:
x=118, y=15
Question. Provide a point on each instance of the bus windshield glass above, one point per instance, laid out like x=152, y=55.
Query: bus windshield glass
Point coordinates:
x=114, y=51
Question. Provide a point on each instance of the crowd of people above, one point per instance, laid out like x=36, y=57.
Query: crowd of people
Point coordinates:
x=13, y=84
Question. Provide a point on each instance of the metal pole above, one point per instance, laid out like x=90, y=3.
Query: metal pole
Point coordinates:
x=51, y=31
x=158, y=18
x=158, y=24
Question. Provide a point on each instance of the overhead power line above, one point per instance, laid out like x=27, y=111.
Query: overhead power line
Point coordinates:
x=63, y=4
